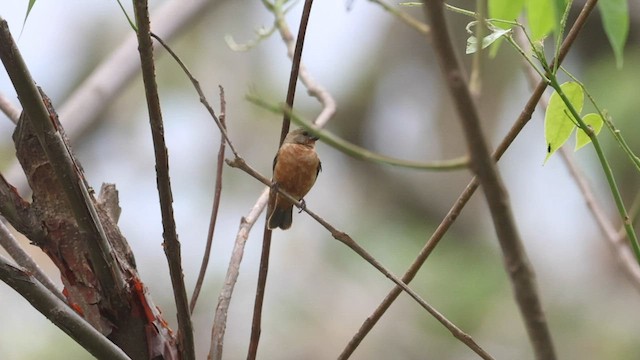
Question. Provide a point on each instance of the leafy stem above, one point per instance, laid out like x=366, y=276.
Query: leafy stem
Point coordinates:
x=553, y=82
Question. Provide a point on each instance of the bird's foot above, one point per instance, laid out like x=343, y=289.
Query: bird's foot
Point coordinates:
x=303, y=206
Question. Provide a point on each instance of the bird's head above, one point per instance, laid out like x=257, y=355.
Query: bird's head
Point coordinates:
x=302, y=137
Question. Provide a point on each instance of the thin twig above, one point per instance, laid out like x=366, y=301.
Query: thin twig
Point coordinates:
x=7, y=107
x=404, y=17
x=358, y=152
x=171, y=244
x=224, y=300
x=465, y=196
x=517, y=264
x=59, y=313
x=353, y=245
x=256, y=322
x=17, y=253
x=216, y=206
x=203, y=99
x=313, y=88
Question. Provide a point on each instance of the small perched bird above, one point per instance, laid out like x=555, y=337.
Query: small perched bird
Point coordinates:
x=295, y=169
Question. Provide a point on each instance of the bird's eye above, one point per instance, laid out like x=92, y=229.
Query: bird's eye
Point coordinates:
x=305, y=133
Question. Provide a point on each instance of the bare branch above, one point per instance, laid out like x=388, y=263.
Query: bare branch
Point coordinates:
x=233, y=271
x=464, y=197
x=516, y=262
x=171, y=244
x=353, y=245
x=9, y=109
x=313, y=88
x=256, y=323
x=216, y=206
x=17, y=253
x=59, y=313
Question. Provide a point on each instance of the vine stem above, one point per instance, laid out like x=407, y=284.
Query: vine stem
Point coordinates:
x=617, y=197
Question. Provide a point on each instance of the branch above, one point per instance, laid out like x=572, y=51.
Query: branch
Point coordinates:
x=233, y=271
x=470, y=189
x=256, y=323
x=300, y=71
x=353, y=245
x=59, y=313
x=356, y=151
x=17, y=253
x=516, y=262
x=171, y=244
x=216, y=206
x=405, y=18
x=9, y=109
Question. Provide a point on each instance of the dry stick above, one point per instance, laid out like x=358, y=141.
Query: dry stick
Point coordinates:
x=17, y=253
x=220, y=319
x=171, y=244
x=624, y=255
x=224, y=300
x=7, y=107
x=256, y=323
x=516, y=262
x=353, y=245
x=218, y=185
x=214, y=210
x=464, y=197
x=59, y=313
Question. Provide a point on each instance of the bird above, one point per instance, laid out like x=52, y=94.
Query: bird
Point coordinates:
x=295, y=169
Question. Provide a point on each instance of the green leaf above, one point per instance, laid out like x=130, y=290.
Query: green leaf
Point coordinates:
x=472, y=41
x=29, y=7
x=593, y=120
x=615, y=18
x=505, y=10
x=542, y=18
x=558, y=124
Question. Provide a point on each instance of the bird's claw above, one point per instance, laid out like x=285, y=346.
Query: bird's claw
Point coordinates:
x=303, y=206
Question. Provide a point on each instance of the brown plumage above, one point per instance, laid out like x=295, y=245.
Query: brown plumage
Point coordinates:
x=295, y=170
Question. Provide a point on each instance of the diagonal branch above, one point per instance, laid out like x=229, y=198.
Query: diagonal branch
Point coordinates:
x=468, y=192
x=516, y=262
x=60, y=314
x=171, y=244
x=13, y=248
x=353, y=245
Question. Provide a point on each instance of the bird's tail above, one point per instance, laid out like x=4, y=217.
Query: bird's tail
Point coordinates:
x=281, y=217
